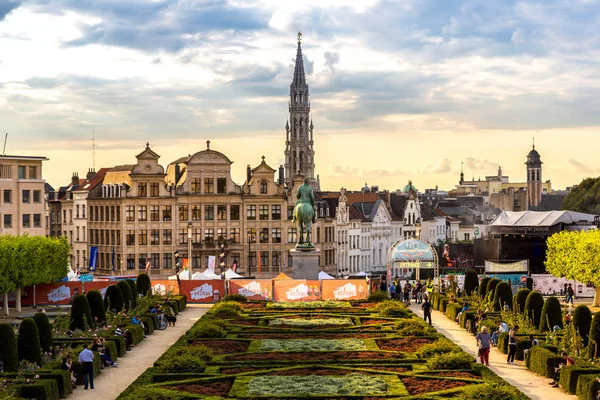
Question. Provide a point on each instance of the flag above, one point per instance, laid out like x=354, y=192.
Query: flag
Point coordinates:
x=211, y=264
x=114, y=267
x=222, y=257
x=78, y=272
x=177, y=267
x=234, y=266
x=147, y=264
x=258, y=262
x=93, y=258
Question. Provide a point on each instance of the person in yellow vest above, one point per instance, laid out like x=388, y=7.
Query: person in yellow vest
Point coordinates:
x=429, y=286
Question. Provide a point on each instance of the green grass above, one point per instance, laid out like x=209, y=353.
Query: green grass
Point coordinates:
x=307, y=322
x=317, y=385
x=312, y=345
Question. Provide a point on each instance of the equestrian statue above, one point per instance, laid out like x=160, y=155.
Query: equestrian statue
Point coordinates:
x=305, y=214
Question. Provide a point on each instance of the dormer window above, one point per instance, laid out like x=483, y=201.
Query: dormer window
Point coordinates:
x=263, y=187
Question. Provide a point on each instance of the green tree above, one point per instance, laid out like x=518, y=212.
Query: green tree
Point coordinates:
x=96, y=305
x=582, y=320
x=45, y=330
x=134, y=292
x=502, y=294
x=533, y=307
x=551, y=315
x=7, y=284
x=9, y=354
x=576, y=255
x=81, y=314
x=491, y=288
x=520, y=300
x=113, y=299
x=126, y=292
x=483, y=286
x=585, y=197
x=471, y=282
x=28, y=342
x=143, y=284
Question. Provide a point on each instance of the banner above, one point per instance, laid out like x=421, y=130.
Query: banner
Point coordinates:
x=519, y=266
x=98, y=285
x=165, y=286
x=344, y=289
x=203, y=291
x=297, y=290
x=211, y=264
x=257, y=289
x=551, y=285
x=58, y=293
x=93, y=258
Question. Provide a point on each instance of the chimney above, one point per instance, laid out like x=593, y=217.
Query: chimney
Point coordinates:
x=177, y=173
x=91, y=173
x=248, y=173
x=280, y=180
x=75, y=179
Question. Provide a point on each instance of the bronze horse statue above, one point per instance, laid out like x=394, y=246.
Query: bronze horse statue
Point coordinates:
x=305, y=214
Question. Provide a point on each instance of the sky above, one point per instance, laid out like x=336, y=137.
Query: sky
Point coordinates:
x=400, y=89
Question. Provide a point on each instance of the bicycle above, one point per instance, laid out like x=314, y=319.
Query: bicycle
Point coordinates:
x=161, y=323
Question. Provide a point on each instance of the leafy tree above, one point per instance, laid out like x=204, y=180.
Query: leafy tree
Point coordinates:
x=585, y=197
x=533, y=307
x=113, y=299
x=126, y=292
x=483, y=286
x=9, y=354
x=81, y=315
x=28, y=342
x=576, y=255
x=551, y=315
x=96, y=305
x=134, y=292
x=143, y=284
x=502, y=294
x=471, y=282
x=582, y=320
x=45, y=330
x=520, y=300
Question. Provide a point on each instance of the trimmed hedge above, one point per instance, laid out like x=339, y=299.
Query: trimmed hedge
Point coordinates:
x=45, y=331
x=9, y=353
x=96, y=306
x=114, y=298
x=143, y=284
x=81, y=315
x=152, y=317
x=62, y=379
x=542, y=361
x=471, y=282
x=582, y=321
x=520, y=299
x=491, y=288
x=551, y=315
x=127, y=296
x=587, y=387
x=452, y=310
x=483, y=286
x=43, y=389
x=569, y=376
x=533, y=307
x=28, y=342
x=502, y=294
x=181, y=302
x=134, y=293
x=595, y=335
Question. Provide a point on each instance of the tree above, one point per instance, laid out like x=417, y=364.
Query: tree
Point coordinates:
x=143, y=284
x=533, y=307
x=471, y=282
x=96, y=305
x=520, y=300
x=551, y=315
x=9, y=354
x=585, y=197
x=582, y=320
x=45, y=331
x=113, y=299
x=483, y=286
x=81, y=315
x=126, y=292
x=576, y=255
x=134, y=292
x=502, y=294
x=28, y=342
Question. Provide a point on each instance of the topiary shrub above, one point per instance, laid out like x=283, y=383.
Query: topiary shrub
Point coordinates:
x=9, y=354
x=391, y=308
x=502, y=294
x=134, y=293
x=184, y=359
x=81, y=315
x=533, y=307
x=551, y=315
x=582, y=321
x=520, y=300
x=96, y=306
x=28, y=342
x=440, y=347
x=154, y=393
x=569, y=376
x=594, y=336
x=236, y=297
x=45, y=331
x=225, y=309
x=458, y=360
x=206, y=329
x=452, y=310
x=378, y=295
x=588, y=387
x=491, y=288
x=483, y=286
x=127, y=296
x=143, y=284
x=542, y=361
x=471, y=282
x=113, y=299
x=488, y=391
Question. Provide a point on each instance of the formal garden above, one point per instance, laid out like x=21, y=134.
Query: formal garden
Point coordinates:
x=32, y=354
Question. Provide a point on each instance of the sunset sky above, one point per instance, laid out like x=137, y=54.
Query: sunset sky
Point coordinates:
x=400, y=89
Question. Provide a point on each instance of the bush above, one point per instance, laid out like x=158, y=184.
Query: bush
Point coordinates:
x=134, y=293
x=184, y=359
x=488, y=391
x=471, y=282
x=28, y=342
x=379, y=295
x=458, y=360
x=46, y=389
x=113, y=299
x=9, y=354
x=45, y=330
x=439, y=347
x=483, y=286
x=594, y=335
x=225, y=309
x=235, y=297
x=81, y=315
x=96, y=306
x=452, y=310
x=127, y=296
x=390, y=308
x=582, y=321
x=569, y=376
x=520, y=300
x=206, y=329
x=533, y=307
x=491, y=288
x=153, y=393
x=551, y=315
x=502, y=294
x=587, y=387
x=542, y=361
x=143, y=284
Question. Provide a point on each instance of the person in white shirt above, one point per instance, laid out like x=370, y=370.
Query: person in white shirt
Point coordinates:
x=86, y=357
x=502, y=327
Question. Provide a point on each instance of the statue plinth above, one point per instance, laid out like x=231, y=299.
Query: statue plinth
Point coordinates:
x=305, y=263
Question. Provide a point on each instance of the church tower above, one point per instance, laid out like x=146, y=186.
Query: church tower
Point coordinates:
x=299, y=153
x=534, y=178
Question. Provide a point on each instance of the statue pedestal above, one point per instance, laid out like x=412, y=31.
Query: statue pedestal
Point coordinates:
x=305, y=264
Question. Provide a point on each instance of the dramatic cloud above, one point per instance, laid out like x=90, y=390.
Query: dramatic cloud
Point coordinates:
x=579, y=167
x=331, y=60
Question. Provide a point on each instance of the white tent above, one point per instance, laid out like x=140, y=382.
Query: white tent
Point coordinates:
x=229, y=274
x=361, y=273
x=324, y=275
x=206, y=275
x=183, y=275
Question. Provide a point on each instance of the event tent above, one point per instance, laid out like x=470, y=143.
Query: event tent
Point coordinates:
x=282, y=277
x=207, y=274
x=230, y=274
x=324, y=275
x=183, y=275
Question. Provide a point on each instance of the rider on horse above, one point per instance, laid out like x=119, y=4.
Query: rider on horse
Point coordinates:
x=305, y=213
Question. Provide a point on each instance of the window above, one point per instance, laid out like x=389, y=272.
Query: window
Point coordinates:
x=167, y=236
x=221, y=235
x=467, y=236
x=252, y=259
x=208, y=185
x=264, y=235
x=130, y=213
x=8, y=220
x=22, y=172
x=234, y=235
x=196, y=183
x=292, y=235
x=276, y=235
x=130, y=261
x=318, y=235
x=290, y=213
x=142, y=260
x=154, y=213
x=130, y=238
x=209, y=236
x=167, y=260
x=275, y=258
x=234, y=212
x=251, y=212
x=264, y=258
x=251, y=235
x=183, y=236
x=154, y=191
x=155, y=260
x=183, y=213
x=32, y=172
x=112, y=237
x=37, y=220
x=26, y=198
x=155, y=237
x=196, y=235
x=8, y=196
x=264, y=212
x=209, y=212
x=77, y=237
x=143, y=237
x=27, y=221
x=143, y=213
x=276, y=212
x=222, y=212
x=37, y=197
x=196, y=213
x=83, y=208
x=167, y=210
x=101, y=214
x=142, y=189
x=221, y=185
x=263, y=187
x=118, y=237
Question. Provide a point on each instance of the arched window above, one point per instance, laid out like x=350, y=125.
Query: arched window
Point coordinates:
x=263, y=187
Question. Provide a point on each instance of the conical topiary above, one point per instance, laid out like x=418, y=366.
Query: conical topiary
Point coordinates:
x=520, y=300
x=134, y=293
x=533, y=307
x=28, y=342
x=45, y=331
x=502, y=294
x=126, y=292
x=9, y=354
x=471, y=282
x=113, y=301
x=491, y=288
x=594, y=336
x=582, y=321
x=143, y=284
x=81, y=315
x=96, y=305
x=483, y=286
x=551, y=315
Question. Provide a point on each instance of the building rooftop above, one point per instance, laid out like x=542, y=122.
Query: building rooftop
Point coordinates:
x=24, y=158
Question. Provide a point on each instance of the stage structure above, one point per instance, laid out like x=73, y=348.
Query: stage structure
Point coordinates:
x=408, y=254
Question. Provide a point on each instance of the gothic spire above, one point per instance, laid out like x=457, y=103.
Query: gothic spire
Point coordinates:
x=299, y=77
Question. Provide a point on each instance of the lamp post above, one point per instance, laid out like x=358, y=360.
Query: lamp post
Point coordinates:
x=249, y=253
x=189, y=235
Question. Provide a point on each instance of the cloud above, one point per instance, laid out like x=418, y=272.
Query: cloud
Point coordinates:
x=365, y=173
x=331, y=60
x=309, y=66
x=579, y=167
x=475, y=164
x=443, y=166
x=7, y=6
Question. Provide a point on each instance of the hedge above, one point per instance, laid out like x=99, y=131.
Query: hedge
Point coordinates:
x=43, y=389
x=134, y=292
x=181, y=302
x=62, y=378
x=520, y=299
x=9, y=353
x=96, y=306
x=533, y=307
x=542, y=361
x=28, y=342
x=45, y=331
x=582, y=321
x=491, y=287
x=81, y=315
x=452, y=310
x=471, y=282
x=502, y=294
x=113, y=299
x=587, y=387
x=569, y=376
x=551, y=315
x=127, y=295
x=152, y=317
x=143, y=284
x=483, y=286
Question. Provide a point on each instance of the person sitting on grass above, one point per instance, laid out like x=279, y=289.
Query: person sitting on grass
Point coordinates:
x=567, y=361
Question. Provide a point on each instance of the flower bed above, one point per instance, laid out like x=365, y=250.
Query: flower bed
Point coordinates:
x=316, y=356
x=312, y=345
x=223, y=346
x=409, y=345
x=416, y=385
x=219, y=388
x=355, y=384
x=307, y=322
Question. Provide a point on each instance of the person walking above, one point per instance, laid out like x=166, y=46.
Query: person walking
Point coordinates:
x=570, y=293
x=512, y=345
x=86, y=358
x=426, y=307
x=483, y=340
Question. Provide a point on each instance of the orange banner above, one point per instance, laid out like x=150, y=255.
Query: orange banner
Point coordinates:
x=297, y=290
x=98, y=285
x=345, y=289
x=58, y=293
x=198, y=291
x=257, y=289
x=164, y=286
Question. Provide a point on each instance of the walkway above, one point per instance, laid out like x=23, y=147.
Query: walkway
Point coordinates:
x=112, y=381
x=533, y=385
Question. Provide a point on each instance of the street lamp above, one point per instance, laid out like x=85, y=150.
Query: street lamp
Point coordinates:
x=250, y=238
x=189, y=235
